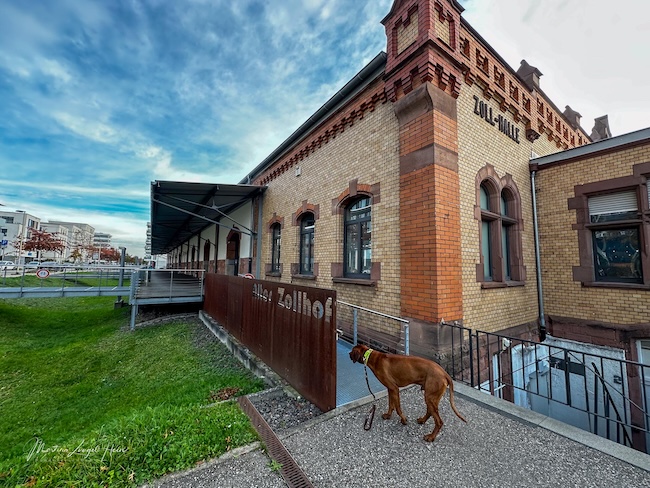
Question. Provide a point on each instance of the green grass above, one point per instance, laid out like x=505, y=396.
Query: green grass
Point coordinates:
x=83, y=402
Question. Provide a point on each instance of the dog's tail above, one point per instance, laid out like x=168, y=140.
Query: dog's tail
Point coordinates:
x=451, y=399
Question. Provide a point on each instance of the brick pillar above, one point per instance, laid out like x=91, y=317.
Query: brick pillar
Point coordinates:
x=431, y=276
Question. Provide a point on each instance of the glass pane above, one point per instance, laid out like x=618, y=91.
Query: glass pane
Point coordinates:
x=485, y=250
x=275, y=254
x=616, y=255
x=504, y=205
x=307, y=223
x=307, y=253
x=366, y=246
x=505, y=250
x=359, y=210
x=485, y=201
x=352, y=249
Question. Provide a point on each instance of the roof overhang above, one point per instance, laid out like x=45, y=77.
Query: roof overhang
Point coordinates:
x=612, y=144
x=180, y=210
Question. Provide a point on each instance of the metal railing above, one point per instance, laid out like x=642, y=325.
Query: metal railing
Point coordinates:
x=164, y=286
x=63, y=280
x=593, y=389
x=383, y=332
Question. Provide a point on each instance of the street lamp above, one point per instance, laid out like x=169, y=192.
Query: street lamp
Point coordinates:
x=119, y=303
x=22, y=236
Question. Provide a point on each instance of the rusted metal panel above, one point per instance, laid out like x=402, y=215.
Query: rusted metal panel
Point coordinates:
x=216, y=293
x=291, y=328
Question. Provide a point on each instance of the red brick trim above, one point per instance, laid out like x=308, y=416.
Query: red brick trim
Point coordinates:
x=353, y=191
x=303, y=209
x=275, y=220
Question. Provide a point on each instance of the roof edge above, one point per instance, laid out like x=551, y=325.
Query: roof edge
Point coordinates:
x=591, y=150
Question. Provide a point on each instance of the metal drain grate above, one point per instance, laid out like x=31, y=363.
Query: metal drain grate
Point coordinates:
x=291, y=472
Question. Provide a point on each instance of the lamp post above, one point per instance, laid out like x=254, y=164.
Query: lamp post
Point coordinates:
x=22, y=236
x=119, y=303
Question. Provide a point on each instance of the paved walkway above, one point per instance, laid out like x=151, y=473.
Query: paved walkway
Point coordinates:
x=502, y=445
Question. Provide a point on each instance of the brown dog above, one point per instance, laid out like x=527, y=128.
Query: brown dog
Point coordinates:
x=397, y=371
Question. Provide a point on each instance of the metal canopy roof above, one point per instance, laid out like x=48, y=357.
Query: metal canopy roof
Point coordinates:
x=179, y=210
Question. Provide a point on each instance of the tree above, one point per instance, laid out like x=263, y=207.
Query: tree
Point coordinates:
x=39, y=241
x=111, y=254
x=76, y=255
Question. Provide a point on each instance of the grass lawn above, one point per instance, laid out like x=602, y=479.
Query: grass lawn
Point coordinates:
x=84, y=402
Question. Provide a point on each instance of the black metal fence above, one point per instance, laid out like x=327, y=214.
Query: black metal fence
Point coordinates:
x=595, y=388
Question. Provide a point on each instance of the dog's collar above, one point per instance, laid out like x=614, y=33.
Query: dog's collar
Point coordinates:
x=366, y=356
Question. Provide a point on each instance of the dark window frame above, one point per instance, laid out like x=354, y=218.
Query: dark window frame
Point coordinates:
x=585, y=273
x=358, y=223
x=505, y=269
x=307, y=231
x=276, y=247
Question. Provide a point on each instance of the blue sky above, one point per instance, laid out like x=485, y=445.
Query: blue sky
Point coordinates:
x=100, y=97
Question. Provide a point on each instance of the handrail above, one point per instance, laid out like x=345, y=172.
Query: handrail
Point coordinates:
x=620, y=422
x=405, y=327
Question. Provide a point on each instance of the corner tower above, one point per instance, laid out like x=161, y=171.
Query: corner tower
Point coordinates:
x=423, y=81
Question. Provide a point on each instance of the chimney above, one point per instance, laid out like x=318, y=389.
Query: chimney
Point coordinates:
x=572, y=116
x=529, y=75
x=601, y=129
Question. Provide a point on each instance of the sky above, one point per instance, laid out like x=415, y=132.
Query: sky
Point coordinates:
x=100, y=97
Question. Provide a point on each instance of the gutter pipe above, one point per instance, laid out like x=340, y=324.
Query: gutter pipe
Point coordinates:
x=540, y=292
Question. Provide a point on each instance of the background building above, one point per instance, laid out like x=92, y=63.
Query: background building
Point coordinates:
x=80, y=240
x=15, y=230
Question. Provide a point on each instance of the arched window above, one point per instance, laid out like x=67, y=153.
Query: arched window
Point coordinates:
x=357, y=259
x=500, y=230
x=307, y=225
x=276, y=237
x=488, y=219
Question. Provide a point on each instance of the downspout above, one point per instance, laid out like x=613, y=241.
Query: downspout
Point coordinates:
x=251, y=237
x=258, y=237
x=540, y=293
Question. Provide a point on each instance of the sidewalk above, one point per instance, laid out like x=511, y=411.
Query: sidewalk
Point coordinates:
x=501, y=445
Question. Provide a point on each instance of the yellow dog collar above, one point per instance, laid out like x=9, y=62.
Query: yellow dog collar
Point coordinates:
x=366, y=355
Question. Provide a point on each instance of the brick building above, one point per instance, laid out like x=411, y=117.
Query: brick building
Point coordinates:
x=409, y=193
x=594, y=214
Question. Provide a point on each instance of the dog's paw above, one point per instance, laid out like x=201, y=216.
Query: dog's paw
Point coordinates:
x=386, y=416
x=429, y=437
x=422, y=420
x=404, y=421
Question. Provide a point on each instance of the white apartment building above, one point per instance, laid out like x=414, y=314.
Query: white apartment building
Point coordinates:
x=80, y=238
x=15, y=229
x=61, y=232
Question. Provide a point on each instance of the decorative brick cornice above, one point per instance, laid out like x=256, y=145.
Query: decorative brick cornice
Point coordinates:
x=447, y=52
x=479, y=65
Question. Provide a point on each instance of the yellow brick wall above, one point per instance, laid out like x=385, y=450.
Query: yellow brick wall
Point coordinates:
x=406, y=35
x=368, y=152
x=559, y=242
x=442, y=29
x=479, y=144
